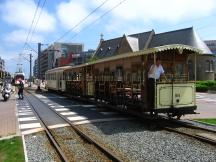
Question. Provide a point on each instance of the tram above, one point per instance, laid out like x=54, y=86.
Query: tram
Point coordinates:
x=122, y=80
x=19, y=76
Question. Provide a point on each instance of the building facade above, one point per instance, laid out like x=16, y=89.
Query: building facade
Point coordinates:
x=48, y=57
x=2, y=64
x=75, y=58
x=35, y=69
x=211, y=45
x=2, y=68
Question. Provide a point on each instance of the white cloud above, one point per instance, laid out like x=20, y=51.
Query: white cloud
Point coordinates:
x=134, y=15
x=19, y=36
x=72, y=12
x=20, y=13
x=159, y=10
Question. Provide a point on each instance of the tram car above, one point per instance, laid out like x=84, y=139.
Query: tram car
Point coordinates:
x=19, y=76
x=122, y=80
x=55, y=79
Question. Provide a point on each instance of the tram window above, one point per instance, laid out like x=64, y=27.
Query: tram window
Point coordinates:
x=179, y=69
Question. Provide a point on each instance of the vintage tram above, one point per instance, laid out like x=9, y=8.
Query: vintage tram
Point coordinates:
x=122, y=80
x=19, y=76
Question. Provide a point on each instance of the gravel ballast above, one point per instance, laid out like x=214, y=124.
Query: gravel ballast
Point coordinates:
x=39, y=149
x=139, y=143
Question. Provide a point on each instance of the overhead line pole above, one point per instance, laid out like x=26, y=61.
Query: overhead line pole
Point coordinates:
x=39, y=74
x=30, y=70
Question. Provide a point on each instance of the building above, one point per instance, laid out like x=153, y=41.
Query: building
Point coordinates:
x=35, y=69
x=150, y=39
x=2, y=64
x=2, y=68
x=49, y=57
x=211, y=45
x=75, y=58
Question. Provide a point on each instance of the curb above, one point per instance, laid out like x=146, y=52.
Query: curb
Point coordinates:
x=24, y=149
x=8, y=137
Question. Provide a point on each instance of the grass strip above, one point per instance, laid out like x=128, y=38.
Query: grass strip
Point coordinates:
x=208, y=121
x=11, y=150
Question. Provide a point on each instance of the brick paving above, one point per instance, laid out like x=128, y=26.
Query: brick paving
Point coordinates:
x=206, y=106
x=8, y=118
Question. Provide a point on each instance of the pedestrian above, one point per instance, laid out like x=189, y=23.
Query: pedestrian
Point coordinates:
x=154, y=74
x=20, y=89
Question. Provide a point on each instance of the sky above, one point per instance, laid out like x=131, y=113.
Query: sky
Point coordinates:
x=112, y=18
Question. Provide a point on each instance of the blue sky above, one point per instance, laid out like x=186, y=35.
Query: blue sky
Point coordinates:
x=132, y=16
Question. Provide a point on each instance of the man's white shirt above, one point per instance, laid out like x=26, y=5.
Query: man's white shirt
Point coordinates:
x=157, y=71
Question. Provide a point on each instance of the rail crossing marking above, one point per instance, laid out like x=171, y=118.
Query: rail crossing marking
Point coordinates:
x=61, y=109
x=77, y=119
x=68, y=113
x=108, y=113
x=28, y=123
x=100, y=120
x=27, y=119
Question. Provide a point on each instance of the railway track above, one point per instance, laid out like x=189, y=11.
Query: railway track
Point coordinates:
x=184, y=128
x=109, y=155
x=177, y=126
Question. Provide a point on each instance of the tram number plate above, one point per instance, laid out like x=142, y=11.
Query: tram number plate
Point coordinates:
x=177, y=95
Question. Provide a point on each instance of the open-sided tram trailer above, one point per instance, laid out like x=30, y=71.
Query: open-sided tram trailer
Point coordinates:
x=121, y=80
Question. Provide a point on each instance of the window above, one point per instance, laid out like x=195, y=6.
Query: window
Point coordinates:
x=209, y=65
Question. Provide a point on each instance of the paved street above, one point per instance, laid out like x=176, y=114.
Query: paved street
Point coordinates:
x=206, y=106
x=8, y=117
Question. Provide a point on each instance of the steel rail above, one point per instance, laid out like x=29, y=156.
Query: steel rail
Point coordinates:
x=201, y=138
x=112, y=155
x=49, y=134
x=170, y=121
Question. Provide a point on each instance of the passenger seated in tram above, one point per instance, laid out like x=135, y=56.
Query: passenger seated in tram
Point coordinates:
x=154, y=74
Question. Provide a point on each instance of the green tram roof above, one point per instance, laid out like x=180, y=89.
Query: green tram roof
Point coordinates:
x=155, y=50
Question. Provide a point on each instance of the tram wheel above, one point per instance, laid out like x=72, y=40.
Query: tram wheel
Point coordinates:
x=179, y=116
x=169, y=115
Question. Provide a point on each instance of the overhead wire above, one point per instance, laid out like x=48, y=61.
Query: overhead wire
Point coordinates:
x=30, y=28
x=81, y=21
x=108, y=11
x=33, y=31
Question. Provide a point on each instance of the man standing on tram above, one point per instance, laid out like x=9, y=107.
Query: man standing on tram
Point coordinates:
x=154, y=74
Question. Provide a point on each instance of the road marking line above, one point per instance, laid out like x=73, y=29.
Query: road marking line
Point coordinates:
x=100, y=120
x=21, y=111
x=31, y=125
x=26, y=113
x=58, y=126
x=27, y=119
x=76, y=118
x=62, y=109
x=87, y=106
x=68, y=113
x=30, y=131
x=108, y=113
x=60, y=106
